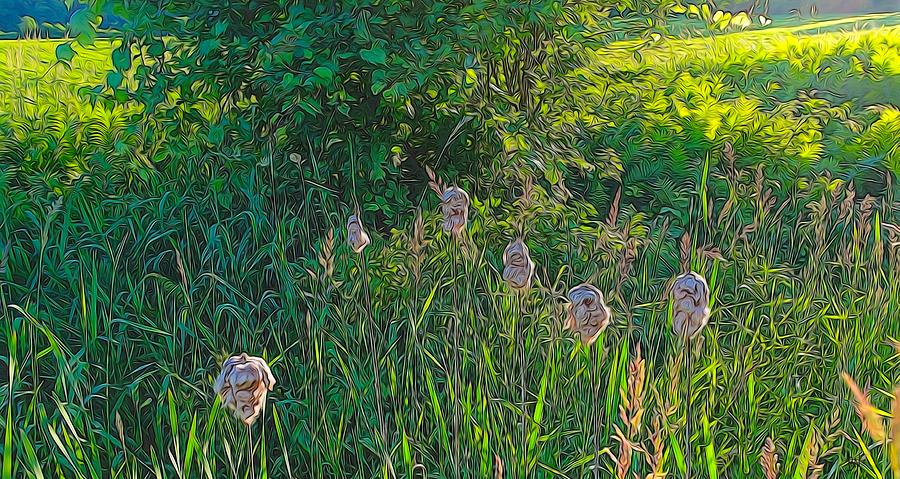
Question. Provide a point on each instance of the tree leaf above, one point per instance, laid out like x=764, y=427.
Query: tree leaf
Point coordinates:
x=121, y=58
x=114, y=80
x=83, y=26
x=376, y=55
x=324, y=73
x=65, y=53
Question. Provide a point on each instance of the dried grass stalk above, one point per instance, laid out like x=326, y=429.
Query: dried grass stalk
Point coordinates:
x=455, y=209
x=417, y=244
x=895, y=433
x=357, y=237
x=623, y=461
x=769, y=459
x=517, y=265
x=690, y=311
x=631, y=410
x=243, y=384
x=728, y=153
x=815, y=467
x=871, y=420
x=654, y=453
x=326, y=256
x=588, y=313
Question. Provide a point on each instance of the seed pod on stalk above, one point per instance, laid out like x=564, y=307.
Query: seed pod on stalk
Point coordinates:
x=455, y=209
x=357, y=237
x=517, y=265
x=243, y=385
x=588, y=314
x=690, y=308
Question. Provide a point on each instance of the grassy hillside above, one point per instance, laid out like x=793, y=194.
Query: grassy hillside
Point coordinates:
x=54, y=121
x=124, y=284
x=794, y=93
x=27, y=65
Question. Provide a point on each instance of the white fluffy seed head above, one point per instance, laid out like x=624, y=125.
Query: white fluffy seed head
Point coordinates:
x=455, y=209
x=588, y=314
x=690, y=305
x=243, y=384
x=357, y=237
x=517, y=265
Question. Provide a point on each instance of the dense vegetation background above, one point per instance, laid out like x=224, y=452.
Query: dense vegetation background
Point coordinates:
x=178, y=192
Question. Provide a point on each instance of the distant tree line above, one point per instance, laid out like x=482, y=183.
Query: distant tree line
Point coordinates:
x=823, y=7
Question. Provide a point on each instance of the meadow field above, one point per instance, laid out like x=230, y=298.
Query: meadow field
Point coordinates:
x=137, y=255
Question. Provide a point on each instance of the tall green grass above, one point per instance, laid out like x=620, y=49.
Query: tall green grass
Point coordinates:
x=122, y=291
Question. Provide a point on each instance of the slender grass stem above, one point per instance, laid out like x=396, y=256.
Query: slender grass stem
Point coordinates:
x=595, y=414
x=454, y=247
x=374, y=359
x=250, y=458
x=413, y=353
x=688, y=398
x=522, y=366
